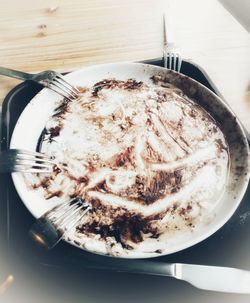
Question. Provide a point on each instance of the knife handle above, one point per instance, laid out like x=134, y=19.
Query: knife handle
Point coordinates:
x=214, y=278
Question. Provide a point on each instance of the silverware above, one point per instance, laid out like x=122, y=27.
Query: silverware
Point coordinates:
x=19, y=160
x=214, y=278
x=172, y=59
x=49, y=229
x=50, y=79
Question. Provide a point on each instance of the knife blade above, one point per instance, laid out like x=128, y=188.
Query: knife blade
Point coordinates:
x=213, y=278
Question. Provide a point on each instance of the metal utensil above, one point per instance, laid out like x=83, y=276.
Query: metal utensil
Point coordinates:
x=19, y=160
x=50, y=79
x=214, y=278
x=172, y=59
x=49, y=229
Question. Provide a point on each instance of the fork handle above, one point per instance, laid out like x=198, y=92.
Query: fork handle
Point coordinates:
x=15, y=74
x=45, y=233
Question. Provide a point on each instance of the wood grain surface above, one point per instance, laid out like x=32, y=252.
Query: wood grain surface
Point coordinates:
x=67, y=34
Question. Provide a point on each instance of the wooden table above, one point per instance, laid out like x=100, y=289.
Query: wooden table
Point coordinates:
x=65, y=35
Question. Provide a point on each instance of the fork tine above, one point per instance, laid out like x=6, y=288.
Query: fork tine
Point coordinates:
x=70, y=215
x=167, y=60
x=57, y=83
x=21, y=157
x=62, y=81
x=175, y=61
x=24, y=154
x=62, y=214
x=73, y=89
x=64, y=87
x=170, y=61
x=56, y=88
x=27, y=162
x=179, y=64
x=29, y=153
x=18, y=160
x=22, y=169
x=85, y=208
x=57, y=209
x=59, y=90
x=49, y=231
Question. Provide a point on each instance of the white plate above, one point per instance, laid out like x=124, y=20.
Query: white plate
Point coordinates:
x=34, y=117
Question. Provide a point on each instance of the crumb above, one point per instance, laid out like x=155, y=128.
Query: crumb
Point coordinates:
x=41, y=34
x=42, y=26
x=51, y=10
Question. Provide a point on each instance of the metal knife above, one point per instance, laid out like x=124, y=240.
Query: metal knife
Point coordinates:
x=214, y=278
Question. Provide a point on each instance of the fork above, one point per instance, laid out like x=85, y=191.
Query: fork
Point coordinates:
x=172, y=59
x=19, y=160
x=49, y=229
x=49, y=79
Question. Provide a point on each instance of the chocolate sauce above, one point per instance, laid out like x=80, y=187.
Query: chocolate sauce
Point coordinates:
x=61, y=109
x=157, y=185
x=57, y=193
x=130, y=84
x=54, y=131
x=124, y=228
x=123, y=157
x=136, y=153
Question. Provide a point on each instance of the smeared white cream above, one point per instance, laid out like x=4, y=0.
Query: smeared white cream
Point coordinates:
x=118, y=145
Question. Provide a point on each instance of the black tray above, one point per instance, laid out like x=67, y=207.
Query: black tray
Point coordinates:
x=230, y=246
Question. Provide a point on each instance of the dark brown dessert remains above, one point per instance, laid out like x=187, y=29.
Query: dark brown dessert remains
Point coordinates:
x=149, y=160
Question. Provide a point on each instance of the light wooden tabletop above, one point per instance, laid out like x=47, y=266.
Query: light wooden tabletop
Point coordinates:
x=68, y=34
